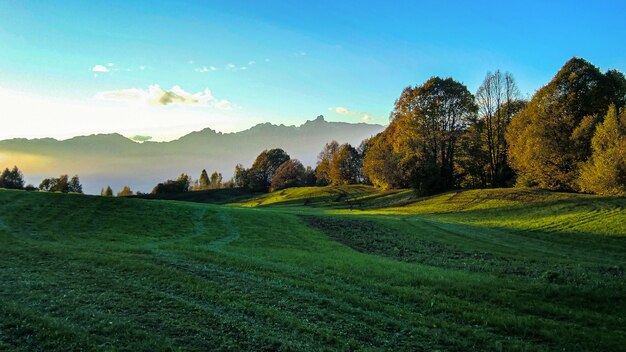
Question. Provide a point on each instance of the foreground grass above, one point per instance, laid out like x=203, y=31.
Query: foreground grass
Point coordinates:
x=486, y=270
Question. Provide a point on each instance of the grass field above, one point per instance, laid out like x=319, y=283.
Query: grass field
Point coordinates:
x=339, y=268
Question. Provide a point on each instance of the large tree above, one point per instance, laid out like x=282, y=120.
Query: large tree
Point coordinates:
x=322, y=171
x=344, y=165
x=264, y=167
x=290, y=174
x=420, y=143
x=551, y=136
x=498, y=99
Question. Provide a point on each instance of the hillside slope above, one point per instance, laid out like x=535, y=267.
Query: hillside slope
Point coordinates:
x=84, y=272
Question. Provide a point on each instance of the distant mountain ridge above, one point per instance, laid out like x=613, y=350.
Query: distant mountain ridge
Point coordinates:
x=112, y=159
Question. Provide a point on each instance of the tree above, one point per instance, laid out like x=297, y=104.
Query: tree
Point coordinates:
x=108, y=192
x=309, y=176
x=344, y=165
x=322, y=171
x=12, y=179
x=605, y=172
x=216, y=180
x=74, y=185
x=126, y=191
x=419, y=145
x=388, y=164
x=61, y=184
x=264, y=167
x=551, y=136
x=181, y=184
x=241, y=176
x=204, y=180
x=291, y=173
x=472, y=163
x=498, y=99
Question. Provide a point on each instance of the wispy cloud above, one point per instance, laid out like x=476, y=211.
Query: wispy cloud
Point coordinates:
x=155, y=95
x=205, y=69
x=300, y=53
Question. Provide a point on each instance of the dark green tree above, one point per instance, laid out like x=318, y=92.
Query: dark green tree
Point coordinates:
x=74, y=185
x=12, y=179
x=107, y=192
x=264, y=167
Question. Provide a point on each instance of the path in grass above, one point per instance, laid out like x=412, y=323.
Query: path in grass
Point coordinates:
x=232, y=232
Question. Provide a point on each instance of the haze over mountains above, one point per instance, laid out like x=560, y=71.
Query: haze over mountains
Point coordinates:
x=112, y=159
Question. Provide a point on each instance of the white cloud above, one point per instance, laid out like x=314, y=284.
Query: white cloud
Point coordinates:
x=365, y=117
x=110, y=64
x=343, y=111
x=267, y=60
x=99, y=68
x=36, y=116
x=142, y=67
x=155, y=95
x=250, y=63
x=300, y=53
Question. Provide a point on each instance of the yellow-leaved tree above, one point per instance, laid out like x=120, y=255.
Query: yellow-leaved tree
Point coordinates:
x=605, y=172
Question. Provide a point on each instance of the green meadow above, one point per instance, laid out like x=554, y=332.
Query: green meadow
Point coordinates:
x=335, y=268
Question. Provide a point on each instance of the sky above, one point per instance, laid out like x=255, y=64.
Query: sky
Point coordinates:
x=158, y=70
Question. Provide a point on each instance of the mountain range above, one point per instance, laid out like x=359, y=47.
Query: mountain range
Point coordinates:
x=115, y=160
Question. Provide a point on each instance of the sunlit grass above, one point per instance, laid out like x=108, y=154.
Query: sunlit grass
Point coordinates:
x=314, y=268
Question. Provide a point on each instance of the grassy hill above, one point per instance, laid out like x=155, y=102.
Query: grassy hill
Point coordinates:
x=310, y=269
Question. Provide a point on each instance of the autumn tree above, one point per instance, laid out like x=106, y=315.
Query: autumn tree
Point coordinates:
x=605, y=172
x=419, y=145
x=126, y=191
x=291, y=173
x=216, y=180
x=344, y=165
x=322, y=171
x=551, y=136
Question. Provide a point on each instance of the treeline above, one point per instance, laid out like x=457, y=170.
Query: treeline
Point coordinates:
x=14, y=179
x=570, y=136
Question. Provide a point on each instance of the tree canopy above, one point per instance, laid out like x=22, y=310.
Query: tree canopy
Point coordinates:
x=12, y=179
x=551, y=137
x=419, y=146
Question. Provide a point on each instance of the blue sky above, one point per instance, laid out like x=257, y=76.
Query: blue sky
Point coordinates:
x=277, y=61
